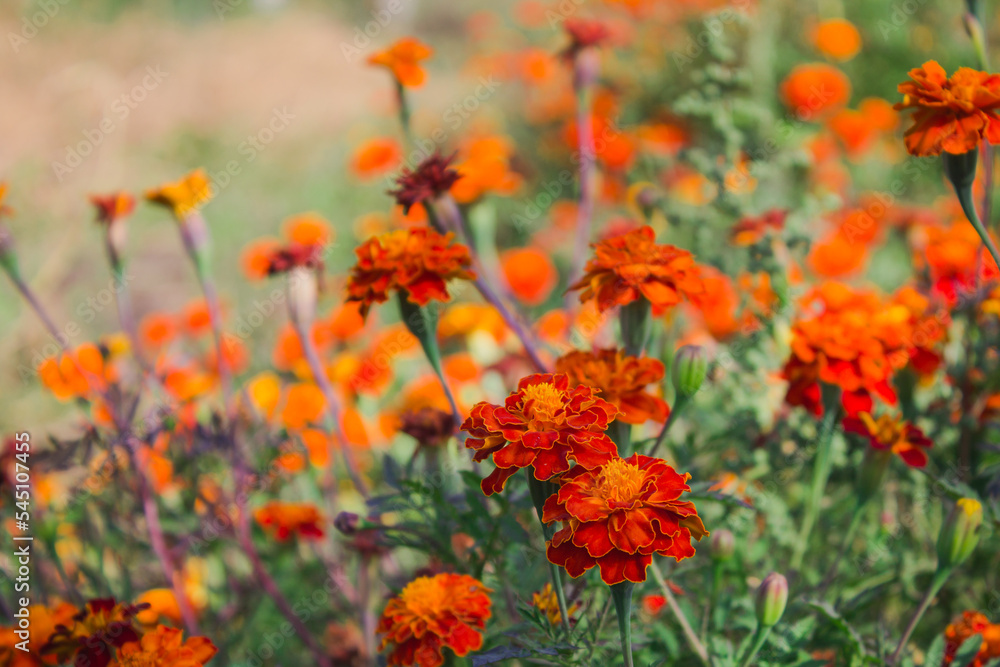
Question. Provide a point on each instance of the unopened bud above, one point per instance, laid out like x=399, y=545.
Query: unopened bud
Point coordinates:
x=347, y=523
x=960, y=533
x=723, y=545
x=690, y=367
x=772, y=596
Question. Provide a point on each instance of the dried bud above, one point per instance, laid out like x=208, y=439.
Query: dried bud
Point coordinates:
x=960, y=533
x=772, y=596
x=690, y=368
x=723, y=545
x=347, y=523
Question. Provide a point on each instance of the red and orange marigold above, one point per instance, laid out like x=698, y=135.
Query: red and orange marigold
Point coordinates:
x=622, y=380
x=972, y=623
x=543, y=425
x=893, y=433
x=632, y=266
x=952, y=114
x=165, y=647
x=431, y=614
x=619, y=515
x=287, y=519
x=418, y=261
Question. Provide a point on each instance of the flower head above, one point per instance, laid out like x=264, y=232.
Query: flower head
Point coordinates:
x=621, y=379
x=547, y=602
x=815, y=89
x=94, y=633
x=432, y=178
x=892, y=433
x=165, y=647
x=583, y=34
x=543, y=425
x=429, y=426
x=952, y=114
x=184, y=196
x=632, y=265
x=618, y=515
x=287, y=519
x=417, y=261
x=837, y=38
x=403, y=60
x=431, y=614
x=113, y=207
x=969, y=624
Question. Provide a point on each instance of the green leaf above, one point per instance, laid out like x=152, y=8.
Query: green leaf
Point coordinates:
x=968, y=651
x=935, y=652
x=840, y=624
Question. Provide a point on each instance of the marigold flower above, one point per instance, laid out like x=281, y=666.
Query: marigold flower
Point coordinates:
x=617, y=516
x=183, y=196
x=530, y=273
x=972, y=623
x=583, y=34
x=813, y=89
x=79, y=373
x=432, y=178
x=287, y=519
x=94, y=633
x=403, y=60
x=621, y=379
x=44, y=621
x=429, y=426
x=484, y=168
x=547, y=602
x=952, y=114
x=892, y=433
x=165, y=647
x=431, y=614
x=113, y=207
x=376, y=156
x=752, y=229
x=632, y=265
x=837, y=38
x=544, y=425
x=419, y=261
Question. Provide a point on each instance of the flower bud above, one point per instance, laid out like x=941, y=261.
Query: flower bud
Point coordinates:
x=347, y=523
x=961, y=169
x=960, y=533
x=723, y=545
x=690, y=367
x=772, y=596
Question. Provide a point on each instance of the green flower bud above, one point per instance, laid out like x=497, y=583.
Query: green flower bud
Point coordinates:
x=772, y=596
x=961, y=169
x=723, y=545
x=690, y=367
x=960, y=533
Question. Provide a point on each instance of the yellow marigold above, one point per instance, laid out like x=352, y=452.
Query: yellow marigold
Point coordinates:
x=633, y=265
x=622, y=380
x=431, y=614
x=164, y=647
x=547, y=602
x=183, y=196
x=419, y=261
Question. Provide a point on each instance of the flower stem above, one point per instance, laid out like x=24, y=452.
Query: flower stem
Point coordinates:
x=964, y=195
x=540, y=491
x=622, y=595
x=759, y=637
x=852, y=529
x=940, y=577
x=661, y=439
x=678, y=613
x=821, y=471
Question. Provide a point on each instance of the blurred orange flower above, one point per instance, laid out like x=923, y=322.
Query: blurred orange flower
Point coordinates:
x=814, y=89
x=286, y=519
x=183, y=196
x=484, y=167
x=431, y=614
x=970, y=624
x=403, y=60
x=376, y=156
x=165, y=647
x=530, y=273
x=113, y=207
x=544, y=425
x=80, y=373
x=617, y=516
x=621, y=379
x=416, y=261
x=837, y=38
x=630, y=266
x=952, y=114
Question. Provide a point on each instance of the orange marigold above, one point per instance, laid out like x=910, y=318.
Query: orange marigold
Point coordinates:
x=165, y=647
x=286, y=519
x=813, y=89
x=622, y=380
x=183, y=196
x=434, y=613
x=620, y=514
x=544, y=425
x=113, y=207
x=837, y=38
x=418, y=261
x=94, y=633
x=972, y=623
x=952, y=114
x=403, y=60
x=632, y=265
x=893, y=433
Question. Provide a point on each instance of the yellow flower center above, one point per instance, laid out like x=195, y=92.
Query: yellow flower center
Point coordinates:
x=424, y=597
x=545, y=400
x=619, y=483
x=888, y=430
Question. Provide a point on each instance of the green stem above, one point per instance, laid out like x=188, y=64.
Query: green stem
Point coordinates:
x=821, y=472
x=540, y=491
x=679, y=404
x=759, y=637
x=622, y=595
x=969, y=208
x=678, y=613
x=852, y=529
x=939, y=578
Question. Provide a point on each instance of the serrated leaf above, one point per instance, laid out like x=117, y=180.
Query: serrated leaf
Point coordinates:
x=935, y=652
